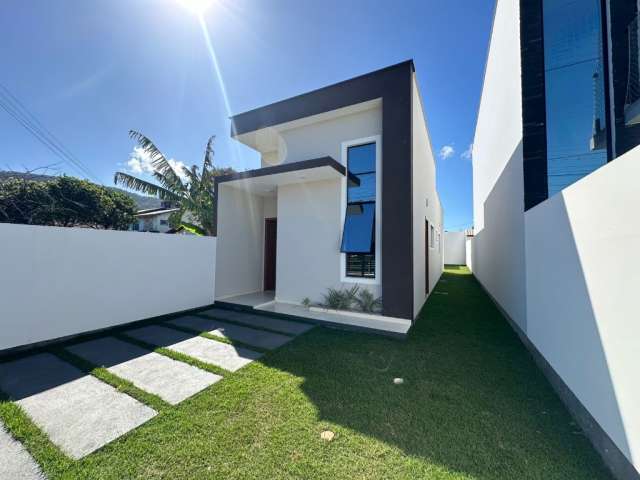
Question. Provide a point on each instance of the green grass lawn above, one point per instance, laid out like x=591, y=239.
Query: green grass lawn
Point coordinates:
x=473, y=405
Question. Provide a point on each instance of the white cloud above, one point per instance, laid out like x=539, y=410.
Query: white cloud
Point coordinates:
x=140, y=163
x=467, y=153
x=447, y=151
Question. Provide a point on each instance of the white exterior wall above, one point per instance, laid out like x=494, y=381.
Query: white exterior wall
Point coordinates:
x=583, y=302
x=310, y=215
x=56, y=282
x=468, y=252
x=324, y=138
x=426, y=205
x=498, y=191
x=240, y=242
x=455, y=248
x=309, y=235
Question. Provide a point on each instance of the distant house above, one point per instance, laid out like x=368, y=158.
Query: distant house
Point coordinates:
x=154, y=219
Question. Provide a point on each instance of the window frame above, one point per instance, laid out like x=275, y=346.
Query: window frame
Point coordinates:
x=376, y=279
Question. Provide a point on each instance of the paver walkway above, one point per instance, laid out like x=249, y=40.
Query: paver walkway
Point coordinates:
x=78, y=412
x=15, y=461
x=259, y=321
x=209, y=351
x=171, y=380
x=250, y=336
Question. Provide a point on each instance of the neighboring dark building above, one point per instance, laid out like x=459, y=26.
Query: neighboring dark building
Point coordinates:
x=581, y=89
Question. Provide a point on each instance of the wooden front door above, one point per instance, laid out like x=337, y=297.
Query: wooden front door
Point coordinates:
x=426, y=256
x=270, y=241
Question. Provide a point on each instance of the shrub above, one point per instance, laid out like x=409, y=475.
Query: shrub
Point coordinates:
x=340, y=299
x=66, y=202
x=367, y=302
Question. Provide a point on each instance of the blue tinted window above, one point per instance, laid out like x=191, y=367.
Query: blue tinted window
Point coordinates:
x=358, y=237
x=365, y=192
x=575, y=96
x=362, y=159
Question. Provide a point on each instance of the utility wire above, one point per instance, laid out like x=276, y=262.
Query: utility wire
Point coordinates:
x=19, y=112
x=45, y=130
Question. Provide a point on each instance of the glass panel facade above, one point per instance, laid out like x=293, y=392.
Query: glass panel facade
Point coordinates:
x=575, y=94
x=358, y=236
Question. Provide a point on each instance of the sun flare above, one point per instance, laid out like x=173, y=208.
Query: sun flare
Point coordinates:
x=197, y=7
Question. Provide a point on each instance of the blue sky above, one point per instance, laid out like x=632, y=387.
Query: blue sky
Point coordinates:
x=92, y=70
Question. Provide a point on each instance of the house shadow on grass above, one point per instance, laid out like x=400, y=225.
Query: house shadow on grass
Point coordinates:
x=472, y=400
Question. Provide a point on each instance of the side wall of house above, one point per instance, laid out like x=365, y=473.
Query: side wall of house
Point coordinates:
x=240, y=242
x=498, y=192
x=426, y=205
x=583, y=274
x=56, y=282
x=455, y=248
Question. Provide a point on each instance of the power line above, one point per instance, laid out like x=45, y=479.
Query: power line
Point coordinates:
x=43, y=128
x=42, y=134
x=19, y=112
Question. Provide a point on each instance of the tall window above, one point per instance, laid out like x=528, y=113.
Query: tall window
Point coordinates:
x=575, y=92
x=358, y=237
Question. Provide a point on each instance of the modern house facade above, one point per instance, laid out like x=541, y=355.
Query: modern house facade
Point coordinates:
x=556, y=165
x=345, y=196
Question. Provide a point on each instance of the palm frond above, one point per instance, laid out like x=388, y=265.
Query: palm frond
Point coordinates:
x=159, y=162
x=193, y=228
x=134, y=183
x=207, y=164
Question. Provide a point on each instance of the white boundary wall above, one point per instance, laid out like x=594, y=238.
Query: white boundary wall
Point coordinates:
x=455, y=248
x=583, y=302
x=56, y=282
x=567, y=270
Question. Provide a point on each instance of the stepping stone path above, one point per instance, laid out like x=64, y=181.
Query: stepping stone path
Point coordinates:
x=78, y=412
x=259, y=321
x=171, y=380
x=15, y=461
x=250, y=336
x=209, y=351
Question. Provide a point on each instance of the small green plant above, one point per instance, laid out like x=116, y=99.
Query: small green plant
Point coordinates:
x=306, y=302
x=340, y=298
x=352, y=294
x=367, y=302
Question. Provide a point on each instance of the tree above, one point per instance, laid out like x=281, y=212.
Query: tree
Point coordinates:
x=65, y=201
x=193, y=197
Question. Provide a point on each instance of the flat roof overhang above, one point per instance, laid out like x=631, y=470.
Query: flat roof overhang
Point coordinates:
x=264, y=181
x=350, y=92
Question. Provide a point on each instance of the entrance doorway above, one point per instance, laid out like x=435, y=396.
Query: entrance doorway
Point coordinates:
x=270, y=242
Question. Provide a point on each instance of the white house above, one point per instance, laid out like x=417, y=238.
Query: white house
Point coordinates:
x=555, y=184
x=153, y=220
x=345, y=195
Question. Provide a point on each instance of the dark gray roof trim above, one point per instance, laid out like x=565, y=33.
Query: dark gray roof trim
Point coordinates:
x=284, y=168
x=326, y=99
